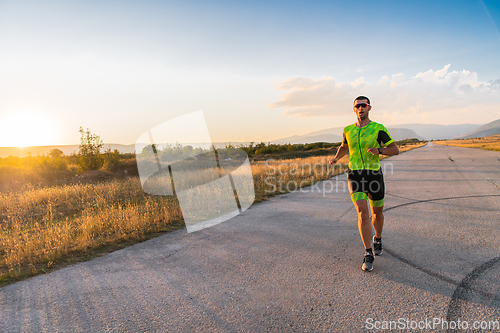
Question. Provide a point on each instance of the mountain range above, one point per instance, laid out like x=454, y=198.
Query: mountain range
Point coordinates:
x=492, y=128
x=335, y=135
x=404, y=131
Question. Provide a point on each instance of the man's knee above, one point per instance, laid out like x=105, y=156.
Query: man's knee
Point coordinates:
x=377, y=212
x=363, y=216
x=362, y=209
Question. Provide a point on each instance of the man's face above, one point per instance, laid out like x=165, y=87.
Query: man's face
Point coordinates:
x=361, y=108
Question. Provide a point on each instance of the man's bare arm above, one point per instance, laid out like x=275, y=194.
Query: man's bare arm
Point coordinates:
x=343, y=149
x=390, y=150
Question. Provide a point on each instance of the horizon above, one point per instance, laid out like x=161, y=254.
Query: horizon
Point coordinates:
x=217, y=143
x=121, y=71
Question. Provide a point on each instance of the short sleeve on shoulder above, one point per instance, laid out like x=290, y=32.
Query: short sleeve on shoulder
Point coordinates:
x=384, y=137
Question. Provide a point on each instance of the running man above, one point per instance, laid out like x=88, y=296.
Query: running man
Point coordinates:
x=365, y=141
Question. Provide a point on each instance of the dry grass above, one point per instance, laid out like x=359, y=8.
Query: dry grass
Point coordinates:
x=44, y=228
x=408, y=147
x=491, y=142
x=273, y=177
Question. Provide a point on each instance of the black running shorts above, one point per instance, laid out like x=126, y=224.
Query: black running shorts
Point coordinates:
x=367, y=184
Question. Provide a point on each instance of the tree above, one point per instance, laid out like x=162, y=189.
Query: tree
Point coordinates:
x=89, y=156
x=56, y=153
x=112, y=160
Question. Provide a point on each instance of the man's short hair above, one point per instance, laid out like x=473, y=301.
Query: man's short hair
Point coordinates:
x=362, y=97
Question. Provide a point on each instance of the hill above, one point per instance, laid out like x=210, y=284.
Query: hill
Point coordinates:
x=492, y=128
x=439, y=132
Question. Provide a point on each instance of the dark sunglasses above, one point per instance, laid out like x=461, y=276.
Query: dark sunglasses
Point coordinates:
x=361, y=105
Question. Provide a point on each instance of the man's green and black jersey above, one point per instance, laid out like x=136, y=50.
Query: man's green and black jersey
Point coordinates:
x=359, y=139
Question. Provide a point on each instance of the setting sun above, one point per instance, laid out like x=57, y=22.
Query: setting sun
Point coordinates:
x=26, y=128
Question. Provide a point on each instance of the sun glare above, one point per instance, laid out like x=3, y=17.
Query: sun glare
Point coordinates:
x=26, y=128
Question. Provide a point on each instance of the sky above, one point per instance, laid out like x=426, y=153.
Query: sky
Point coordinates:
x=259, y=70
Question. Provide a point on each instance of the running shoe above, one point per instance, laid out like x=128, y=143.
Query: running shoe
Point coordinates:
x=368, y=262
x=377, y=247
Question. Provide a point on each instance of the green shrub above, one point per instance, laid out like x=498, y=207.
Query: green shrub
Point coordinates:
x=89, y=157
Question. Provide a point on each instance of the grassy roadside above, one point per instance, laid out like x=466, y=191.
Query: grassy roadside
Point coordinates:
x=491, y=142
x=49, y=227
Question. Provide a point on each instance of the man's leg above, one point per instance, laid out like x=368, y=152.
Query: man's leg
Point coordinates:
x=378, y=224
x=360, y=201
x=365, y=230
x=364, y=226
x=376, y=196
x=378, y=220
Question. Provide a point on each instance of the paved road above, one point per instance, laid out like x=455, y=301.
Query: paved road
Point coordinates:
x=293, y=263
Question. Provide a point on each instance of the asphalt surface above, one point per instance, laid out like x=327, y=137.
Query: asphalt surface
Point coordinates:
x=293, y=264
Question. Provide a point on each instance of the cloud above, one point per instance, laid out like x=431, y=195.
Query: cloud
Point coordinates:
x=311, y=98
x=441, y=92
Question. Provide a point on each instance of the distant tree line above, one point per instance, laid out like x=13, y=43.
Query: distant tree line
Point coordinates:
x=172, y=152
x=408, y=142
x=273, y=148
